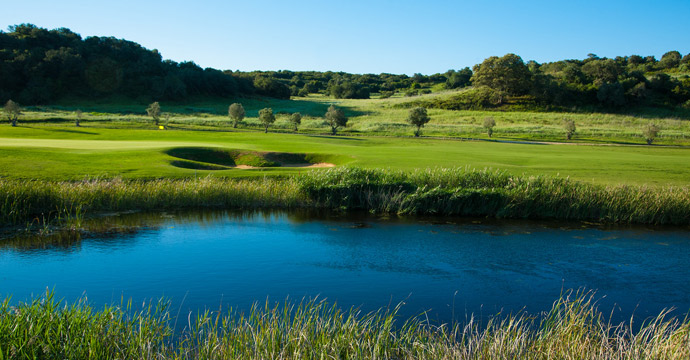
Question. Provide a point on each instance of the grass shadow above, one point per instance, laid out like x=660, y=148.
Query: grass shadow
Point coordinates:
x=71, y=131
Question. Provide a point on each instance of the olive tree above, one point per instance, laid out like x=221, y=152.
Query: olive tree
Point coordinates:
x=296, y=119
x=78, y=116
x=236, y=113
x=154, y=111
x=569, y=127
x=12, y=111
x=266, y=117
x=650, y=133
x=336, y=118
x=489, y=124
x=418, y=118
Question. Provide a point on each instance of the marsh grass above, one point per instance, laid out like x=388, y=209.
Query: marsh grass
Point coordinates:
x=42, y=202
x=469, y=192
x=457, y=191
x=574, y=328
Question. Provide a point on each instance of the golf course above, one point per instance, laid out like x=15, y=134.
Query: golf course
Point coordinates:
x=155, y=208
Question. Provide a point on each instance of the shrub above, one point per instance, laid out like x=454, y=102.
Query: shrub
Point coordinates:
x=650, y=132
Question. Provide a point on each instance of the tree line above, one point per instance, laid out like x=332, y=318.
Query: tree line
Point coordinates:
x=40, y=66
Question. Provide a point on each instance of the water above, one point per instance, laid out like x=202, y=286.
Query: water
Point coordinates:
x=449, y=269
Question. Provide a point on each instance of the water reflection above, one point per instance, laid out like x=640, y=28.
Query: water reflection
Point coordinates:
x=452, y=266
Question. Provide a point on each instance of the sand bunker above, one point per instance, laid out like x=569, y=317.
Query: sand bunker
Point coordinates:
x=317, y=165
x=200, y=158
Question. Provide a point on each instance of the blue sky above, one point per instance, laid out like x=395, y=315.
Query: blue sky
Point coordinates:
x=370, y=36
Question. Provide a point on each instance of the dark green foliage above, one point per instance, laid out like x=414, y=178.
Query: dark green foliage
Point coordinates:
x=418, y=118
x=335, y=118
x=611, y=94
x=267, y=118
x=670, y=60
x=507, y=74
x=601, y=71
x=40, y=66
x=458, y=79
x=271, y=87
x=348, y=90
x=236, y=113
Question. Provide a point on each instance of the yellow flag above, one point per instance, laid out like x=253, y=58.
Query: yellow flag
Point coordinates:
x=161, y=127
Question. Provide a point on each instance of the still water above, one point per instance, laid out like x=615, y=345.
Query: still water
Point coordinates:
x=449, y=268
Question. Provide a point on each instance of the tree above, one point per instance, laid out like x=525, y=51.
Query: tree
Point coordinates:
x=418, y=118
x=489, y=124
x=650, y=132
x=569, y=127
x=670, y=60
x=12, y=111
x=267, y=118
x=601, y=71
x=236, y=113
x=507, y=74
x=78, y=114
x=296, y=119
x=458, y=79
x=154, y=111
x=336, y=118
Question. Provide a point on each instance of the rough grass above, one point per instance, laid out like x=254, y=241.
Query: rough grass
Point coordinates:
x=387, y=117
x=574, y=328
x=438, y=191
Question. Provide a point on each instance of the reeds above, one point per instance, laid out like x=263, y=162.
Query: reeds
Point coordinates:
x=458, y=191
x=494, y=193
x=574, y=328
x=40, y=203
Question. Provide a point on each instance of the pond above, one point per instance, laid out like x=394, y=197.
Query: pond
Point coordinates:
x=449, y=268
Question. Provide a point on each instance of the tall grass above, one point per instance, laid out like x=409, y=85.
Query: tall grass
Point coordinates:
x=42, y=201
x=574, y=328
x=456, y=191
x=494, y=193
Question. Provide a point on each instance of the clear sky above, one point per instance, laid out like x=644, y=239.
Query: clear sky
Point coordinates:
x=401, y=37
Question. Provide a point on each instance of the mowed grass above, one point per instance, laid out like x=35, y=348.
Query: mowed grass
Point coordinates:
x=59, y=152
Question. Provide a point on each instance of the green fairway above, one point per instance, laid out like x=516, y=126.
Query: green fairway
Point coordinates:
x=69, y=153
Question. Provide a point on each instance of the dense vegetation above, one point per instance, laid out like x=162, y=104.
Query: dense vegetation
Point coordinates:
x=39, y=66
x=439, y=192
x=574, y=328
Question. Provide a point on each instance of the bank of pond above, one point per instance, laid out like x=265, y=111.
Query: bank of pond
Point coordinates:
x=351, y=285
x=445, y=192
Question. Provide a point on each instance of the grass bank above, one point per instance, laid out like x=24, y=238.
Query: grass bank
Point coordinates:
x=574, y=328
x=440, y=191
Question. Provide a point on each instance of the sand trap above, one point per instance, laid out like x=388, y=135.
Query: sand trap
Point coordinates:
x=317, y=165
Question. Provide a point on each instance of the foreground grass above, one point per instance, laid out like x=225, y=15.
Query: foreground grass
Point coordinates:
x=440, y=191
x=574, y=328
